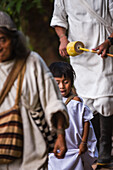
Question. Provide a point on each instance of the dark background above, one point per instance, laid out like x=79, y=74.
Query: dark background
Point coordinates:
x=33, y=18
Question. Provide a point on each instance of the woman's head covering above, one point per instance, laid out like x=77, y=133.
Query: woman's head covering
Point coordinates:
x=18, y=40
x=7, y=22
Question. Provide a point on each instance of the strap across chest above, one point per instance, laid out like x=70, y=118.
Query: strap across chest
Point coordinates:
x=19, y=67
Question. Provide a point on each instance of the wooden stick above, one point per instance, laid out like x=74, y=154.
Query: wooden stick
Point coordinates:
x=92, y=51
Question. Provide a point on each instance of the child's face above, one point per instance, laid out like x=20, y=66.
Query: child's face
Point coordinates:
x=64, y=85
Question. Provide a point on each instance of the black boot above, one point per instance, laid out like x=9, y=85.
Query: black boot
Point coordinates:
x=96, y=125
x=105, y=145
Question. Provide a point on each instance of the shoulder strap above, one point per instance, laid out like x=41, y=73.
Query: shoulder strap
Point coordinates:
x=18, y=65
x=85, y=4
x=70, y=98
x=19, y=85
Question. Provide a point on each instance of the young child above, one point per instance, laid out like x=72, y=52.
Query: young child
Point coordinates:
x=80, y=136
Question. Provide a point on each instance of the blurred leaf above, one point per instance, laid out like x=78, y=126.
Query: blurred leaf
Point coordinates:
x=18, y=6
x=14, y=7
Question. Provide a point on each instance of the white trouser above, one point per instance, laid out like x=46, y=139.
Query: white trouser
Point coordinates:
x=102, y=105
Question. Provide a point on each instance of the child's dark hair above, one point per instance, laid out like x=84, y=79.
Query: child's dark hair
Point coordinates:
x=60, y=69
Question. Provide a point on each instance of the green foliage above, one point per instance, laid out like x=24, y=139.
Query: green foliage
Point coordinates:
x=14, y=7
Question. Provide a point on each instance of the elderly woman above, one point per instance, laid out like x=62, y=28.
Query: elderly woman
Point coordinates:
x=39, y=100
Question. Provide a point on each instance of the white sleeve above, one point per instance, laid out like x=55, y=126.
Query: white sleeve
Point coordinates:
x=111, y=8
x=59, y=17
x=87, y=115
x=49, y=93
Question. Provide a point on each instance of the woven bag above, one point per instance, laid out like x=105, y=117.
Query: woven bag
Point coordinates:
x=11, y=130
x=11, y=136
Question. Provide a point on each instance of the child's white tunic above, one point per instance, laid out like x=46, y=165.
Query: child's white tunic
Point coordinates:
x=78, y=113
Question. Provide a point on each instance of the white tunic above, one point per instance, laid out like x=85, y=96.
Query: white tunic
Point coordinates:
x=39, y=89
x=78, y=113
x=94, y=75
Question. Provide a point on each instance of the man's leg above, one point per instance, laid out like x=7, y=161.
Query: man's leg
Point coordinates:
x=96, y=125
x=104, y=106
x=105, y=139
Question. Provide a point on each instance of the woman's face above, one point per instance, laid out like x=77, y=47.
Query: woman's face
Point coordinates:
x=64, y=85
x=5, y=48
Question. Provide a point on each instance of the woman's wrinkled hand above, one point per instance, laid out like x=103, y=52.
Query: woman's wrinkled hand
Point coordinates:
x=60, y=146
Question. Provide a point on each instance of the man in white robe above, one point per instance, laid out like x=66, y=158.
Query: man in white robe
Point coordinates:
x=94, y=75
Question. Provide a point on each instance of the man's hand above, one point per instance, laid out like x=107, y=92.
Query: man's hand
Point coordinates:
x=60, y=146
x=62, y=48
x=61, y=32
x=103, y=48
